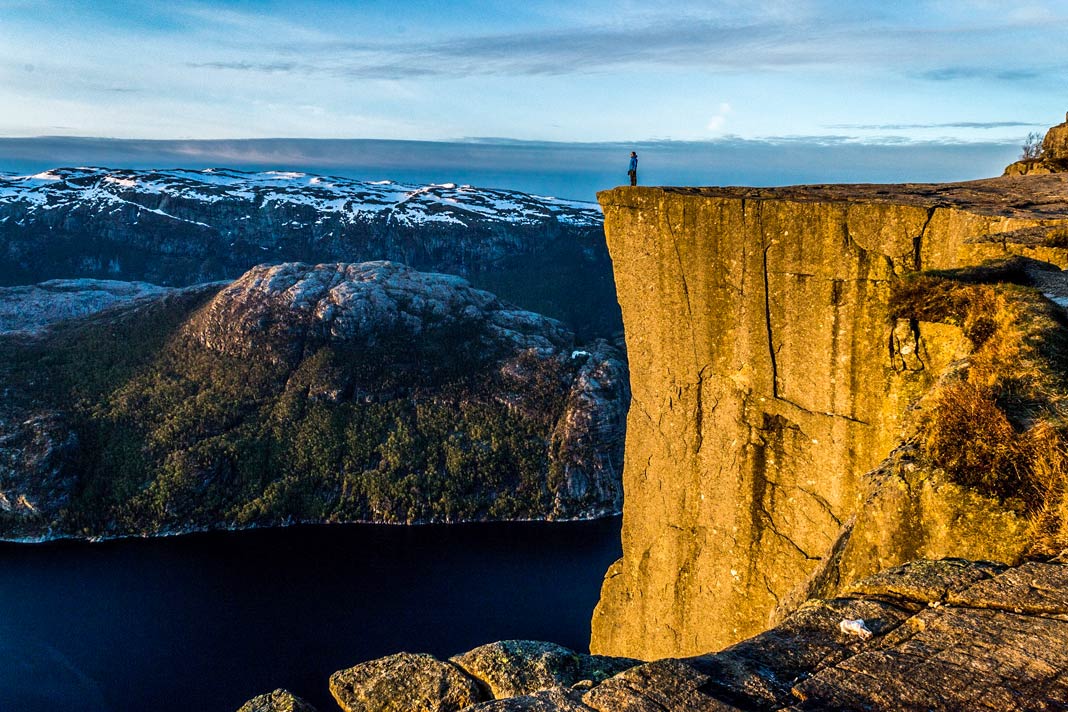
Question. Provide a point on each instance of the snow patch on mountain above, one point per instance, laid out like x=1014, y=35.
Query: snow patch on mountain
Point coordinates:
x=354, y=200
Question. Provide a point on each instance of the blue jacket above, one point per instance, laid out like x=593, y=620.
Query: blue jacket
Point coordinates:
x=633, y=164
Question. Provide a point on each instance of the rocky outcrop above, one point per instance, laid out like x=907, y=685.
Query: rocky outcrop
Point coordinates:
x=283, y=312
x=771, y=380
x=180, y=227
x=937, y=635
x=33, y=308
x=1052, y=156
x=38, y=452
x=306, y=393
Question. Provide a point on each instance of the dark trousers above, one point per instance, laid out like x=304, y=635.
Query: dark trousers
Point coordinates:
x=633, y=177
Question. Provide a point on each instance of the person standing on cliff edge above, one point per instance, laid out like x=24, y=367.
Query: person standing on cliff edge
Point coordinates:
x=633, y=170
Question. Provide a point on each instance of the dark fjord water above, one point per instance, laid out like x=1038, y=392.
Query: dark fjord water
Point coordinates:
x=207, y=621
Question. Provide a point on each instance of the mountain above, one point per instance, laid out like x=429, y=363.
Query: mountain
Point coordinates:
x=336, y=392
x=183, y=227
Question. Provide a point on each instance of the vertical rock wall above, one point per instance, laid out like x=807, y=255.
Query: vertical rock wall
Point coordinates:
x=767, y=378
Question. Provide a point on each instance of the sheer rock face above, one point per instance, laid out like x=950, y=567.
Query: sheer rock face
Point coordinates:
x=943, y=635
x=768, y=378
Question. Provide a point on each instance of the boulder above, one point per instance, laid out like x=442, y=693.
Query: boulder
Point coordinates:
x=512, y=668
x=404, y=682
x=277, y=701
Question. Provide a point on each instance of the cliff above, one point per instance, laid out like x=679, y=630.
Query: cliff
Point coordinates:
x=184, y=227
x=299, y=393
x=777, y=445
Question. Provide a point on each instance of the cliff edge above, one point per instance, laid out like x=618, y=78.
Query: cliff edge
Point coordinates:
x=786, y=368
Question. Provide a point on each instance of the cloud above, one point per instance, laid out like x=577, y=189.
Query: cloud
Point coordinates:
x=267, y=67
x=950, y=74
x=949, y=125
x=680, y=42
x=716, y=123
x=743, y=38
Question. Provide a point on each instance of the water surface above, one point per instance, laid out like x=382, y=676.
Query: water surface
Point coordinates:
x=207, y=621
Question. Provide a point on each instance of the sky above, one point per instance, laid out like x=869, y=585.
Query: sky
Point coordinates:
x=808, y=73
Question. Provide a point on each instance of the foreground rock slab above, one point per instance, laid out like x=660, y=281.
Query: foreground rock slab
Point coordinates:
x=945, y=635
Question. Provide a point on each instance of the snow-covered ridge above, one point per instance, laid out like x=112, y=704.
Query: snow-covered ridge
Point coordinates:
x=352, y=200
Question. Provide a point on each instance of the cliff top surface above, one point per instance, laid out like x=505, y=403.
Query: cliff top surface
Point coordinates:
x=1036, y=197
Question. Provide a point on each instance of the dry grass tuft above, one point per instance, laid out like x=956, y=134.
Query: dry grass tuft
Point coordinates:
x=1047, y=451
x=966, y=434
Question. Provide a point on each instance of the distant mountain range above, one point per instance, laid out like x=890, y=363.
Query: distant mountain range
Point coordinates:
x=183, y=227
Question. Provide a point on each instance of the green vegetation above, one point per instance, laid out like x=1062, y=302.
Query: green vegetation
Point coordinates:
x=999, y=424
x=175, y=435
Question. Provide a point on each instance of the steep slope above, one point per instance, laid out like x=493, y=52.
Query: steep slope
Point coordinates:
x=772, y=371
x=181, y=227
x=335, y=392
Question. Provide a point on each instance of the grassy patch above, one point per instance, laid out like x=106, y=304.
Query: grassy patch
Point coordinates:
x=998, y=426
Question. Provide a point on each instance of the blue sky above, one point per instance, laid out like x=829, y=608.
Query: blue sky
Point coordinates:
x=875, y=73
x=538, y=70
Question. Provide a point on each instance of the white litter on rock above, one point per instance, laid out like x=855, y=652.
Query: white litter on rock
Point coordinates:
x=855, y=627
